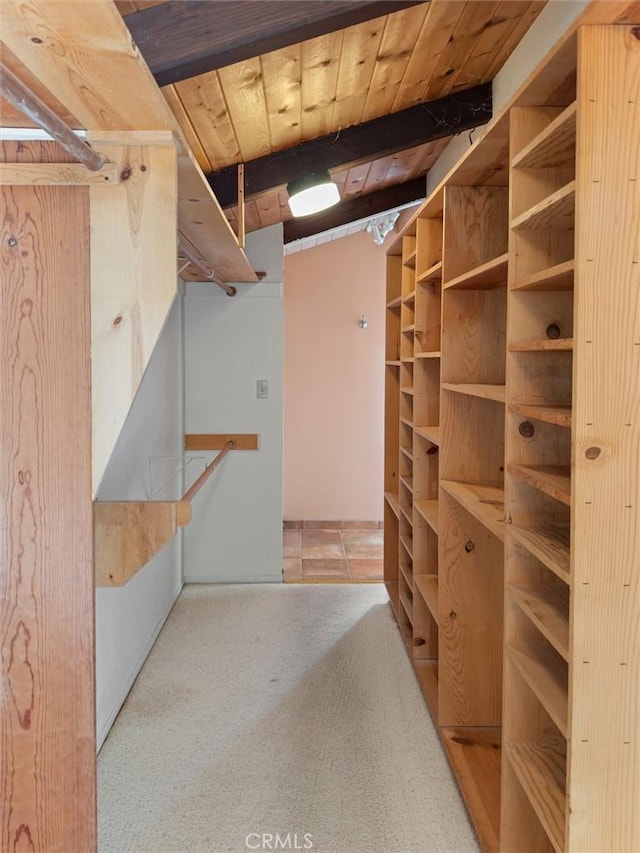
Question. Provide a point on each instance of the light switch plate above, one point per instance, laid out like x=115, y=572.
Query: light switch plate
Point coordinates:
x=262, y=389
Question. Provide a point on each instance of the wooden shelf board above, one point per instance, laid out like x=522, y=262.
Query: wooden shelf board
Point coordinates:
x=427, y=586
x=555, y=211
x=557, y=345
x=496, y=393
x=485, y=502
x=474, y=754
x=558, y=277
x=393, y=363
x=407, y=422
x=408, y=452
x=554, y=146
x=548, y=608
x=542, y=773
x=409, y=329
x=558, y=415
x=548, y=544
x=395, y=303
x=407, y=482
x=407, y=390
x=547, y=682
x=433, y=354
x=487, y=276
x=406, y=511
x=431, y=433
x=434, y=273
x=406, y=606
x=409, y=298
x=406, y=575
x=407, y=544
x=553, y=480
x=407, y=359
x=392, y=500
x=429, y=511
x=410, y=260
x=427, y=674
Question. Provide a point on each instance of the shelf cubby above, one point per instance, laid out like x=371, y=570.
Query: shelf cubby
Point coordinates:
x=475, y=228
x=487, y=276
x=553, y=480
x=556, y=211
x=545, y=673
x=427, y=586
x=474, y=336
x=483, y=501
x=553, y=146
x=485, y=391
x=430, y=433
x=429, y=512
x=548, y=609
x=557, y=277
x=548, y=542
x=557, y=415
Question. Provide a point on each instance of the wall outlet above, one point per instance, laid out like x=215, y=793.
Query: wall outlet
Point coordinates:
x=262, y=389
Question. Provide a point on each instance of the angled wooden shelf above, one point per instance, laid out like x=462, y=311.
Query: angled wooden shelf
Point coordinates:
x=558, y=415
x=406, y=574
x=542, y=774
x=410, y=260
x=407, y=359
x=407, y=482
x=429, y=511
x=406, y=512
x=548, y=608
x=407, y=544
x=427, y=586
x=433, y=274
x=431, y=354
x=556, y=211
x=405, y=601
x=485, y=502
x=431, y=433
x=554, y=146
x=395, y=303
x=553, y=480
x=557, y=277
x=406, y=422
x=406, y=390
x=409, y=299
x=408, y=329
x=549, y=544
x=393, y=363
x=547, y=681
x=487, y=276
x=474, y=754
x=408, y=452
x=496, y=393
x=556, y=345
x=392, y=500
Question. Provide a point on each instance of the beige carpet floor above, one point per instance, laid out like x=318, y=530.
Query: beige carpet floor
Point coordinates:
x=286, y=715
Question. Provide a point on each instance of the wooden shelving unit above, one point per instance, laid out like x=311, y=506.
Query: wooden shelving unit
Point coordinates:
x=518, y=482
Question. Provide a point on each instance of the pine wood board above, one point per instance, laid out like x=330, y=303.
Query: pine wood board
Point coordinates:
x=558, y=277
x=483, y=390
x=549, y=544
x=429, y=511
x=427, y=586
x=553, y=146
x=548, y=608
x=484, y=501
x=553, y=480
x=547, y=679
x=47, y=600
x=558, y=415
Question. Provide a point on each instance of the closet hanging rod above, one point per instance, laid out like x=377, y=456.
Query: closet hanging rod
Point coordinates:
x=190, y=254
x=15, y=91
x=208, y=471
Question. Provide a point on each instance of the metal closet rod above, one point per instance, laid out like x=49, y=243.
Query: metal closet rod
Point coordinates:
x=15, y=91
x=208, y=471
x=190, y=254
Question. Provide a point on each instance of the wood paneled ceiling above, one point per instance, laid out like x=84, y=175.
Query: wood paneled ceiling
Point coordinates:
x=322, y=86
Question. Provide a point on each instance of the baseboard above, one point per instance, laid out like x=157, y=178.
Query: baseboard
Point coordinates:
x=106, y=728
x=235, y=579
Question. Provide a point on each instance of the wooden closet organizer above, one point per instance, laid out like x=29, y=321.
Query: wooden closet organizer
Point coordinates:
x=512, y=552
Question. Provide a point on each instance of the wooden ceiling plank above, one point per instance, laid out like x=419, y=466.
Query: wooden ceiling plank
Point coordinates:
x=360, y=46
x=439, y=24
x=474, y=20
x=383, y=136
x=320, y=67
x=204, y=102
x=509, y=45
x=181, y=40
x=356, y=181
x=507, y=16
x=393, y=56
x=358, y=208
x=281, y=70
x=244, y=93
x=184, y=120
x=378, y=170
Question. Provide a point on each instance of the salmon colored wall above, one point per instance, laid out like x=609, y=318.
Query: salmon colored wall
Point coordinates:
x=334, y=381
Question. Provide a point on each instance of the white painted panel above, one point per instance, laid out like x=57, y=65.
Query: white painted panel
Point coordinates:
x=236, y=531
x=128, y=619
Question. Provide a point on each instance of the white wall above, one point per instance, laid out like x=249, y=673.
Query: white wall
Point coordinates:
x=545, y=31
x=236, y=531
x=129, y=618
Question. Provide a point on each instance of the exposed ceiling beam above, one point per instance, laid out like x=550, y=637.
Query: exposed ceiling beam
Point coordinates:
x=184, y=38
x=425, y=122
x=359, y=207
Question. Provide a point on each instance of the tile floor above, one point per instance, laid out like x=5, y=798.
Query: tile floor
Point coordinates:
x=332, y=556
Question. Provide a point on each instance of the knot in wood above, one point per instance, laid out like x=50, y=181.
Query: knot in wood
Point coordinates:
x=469, y=546
x=592, y=452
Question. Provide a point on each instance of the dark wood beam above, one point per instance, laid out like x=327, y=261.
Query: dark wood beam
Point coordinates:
x=356, y=208
x=184, y=38
x=425, y=122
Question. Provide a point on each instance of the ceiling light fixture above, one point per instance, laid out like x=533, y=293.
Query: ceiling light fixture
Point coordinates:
x=312, y=193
